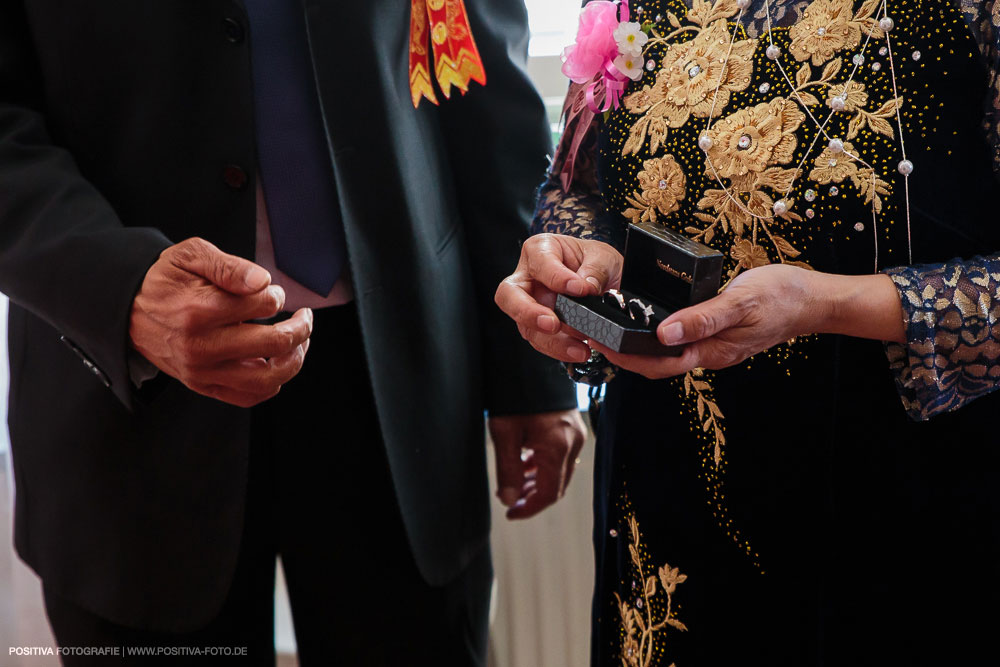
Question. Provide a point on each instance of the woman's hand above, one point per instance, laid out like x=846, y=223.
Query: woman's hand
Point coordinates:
x=767, y=306
x=553, y=264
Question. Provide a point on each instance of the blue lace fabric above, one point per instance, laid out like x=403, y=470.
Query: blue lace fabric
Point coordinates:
x=952, y=320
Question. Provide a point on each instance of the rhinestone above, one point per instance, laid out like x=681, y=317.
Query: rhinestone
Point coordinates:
x=834, y=190
x=838, y=103
x=810, y=213
x=916, y=55
x=694, y=71
x=638, y=603
x=743, y=142
x=821, y=32
x=810, y=194
x=764, y=87
x=639, y=11
x=836, y=145
x=704, y=142
x=886, y=23
x=663, y=184
x=742, y=4
x=650, y=65
x=883, y=51
x=613, y=533
x=858, y=59
x=780, y=207
x=832, y=162
x=659, y=18
x=876, y=66
x=905, y=167
x=859, y=227
x=772, y=52
x=634, y=585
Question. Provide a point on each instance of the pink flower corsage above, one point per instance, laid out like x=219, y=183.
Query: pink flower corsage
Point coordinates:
x=608, y=50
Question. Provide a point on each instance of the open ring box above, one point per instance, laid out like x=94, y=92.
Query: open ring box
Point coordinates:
x=664, y=270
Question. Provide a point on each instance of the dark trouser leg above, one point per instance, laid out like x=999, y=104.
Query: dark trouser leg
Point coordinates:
x=357, y=596
x=246, y=618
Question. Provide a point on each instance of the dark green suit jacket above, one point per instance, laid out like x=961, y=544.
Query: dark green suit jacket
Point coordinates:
x=127, y=126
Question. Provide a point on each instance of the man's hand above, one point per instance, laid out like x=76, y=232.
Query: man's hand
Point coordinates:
x=553, y=264
x=550, y=442
x=190, y=316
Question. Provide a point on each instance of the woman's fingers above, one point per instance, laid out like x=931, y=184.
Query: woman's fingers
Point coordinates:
x=652, y=367
x=516, y=301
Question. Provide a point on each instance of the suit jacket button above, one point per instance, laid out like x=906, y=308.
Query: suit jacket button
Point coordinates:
x=234, y=177
x=234, y=30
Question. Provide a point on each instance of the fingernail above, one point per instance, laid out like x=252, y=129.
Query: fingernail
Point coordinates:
x=309, y=318
x=577, y=354
x=672, y=334
x=576, y=288
x=279, y=295
x=595, y=282
x=547, y=323
x=256, y=278
x=508, y=495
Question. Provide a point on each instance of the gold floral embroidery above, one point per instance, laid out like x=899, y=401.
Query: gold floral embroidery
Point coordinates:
x=662, y=182
x=829, y=26
x=709, y=413
x=640, y=623
x=752, y=139
x=691, y=73
x=852, y=92
x=832, y=167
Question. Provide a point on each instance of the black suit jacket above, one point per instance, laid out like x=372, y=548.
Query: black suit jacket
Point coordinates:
x=127, y=126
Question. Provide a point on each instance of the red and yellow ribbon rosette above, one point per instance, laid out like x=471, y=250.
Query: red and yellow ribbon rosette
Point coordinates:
x=456, y=59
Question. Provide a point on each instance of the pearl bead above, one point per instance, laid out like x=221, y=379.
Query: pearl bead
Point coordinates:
x=650, y=65
x=859, y=227
x=742, y=4
x=613, y=532
x=838, y=102
x=810, y=213
x=780, y=207
x=704, y=142
x=905, y=167
x=772, y=52
x=836, y=145
x=764, y=87
x=858, y=59
x=916, y=55
x=886, y=23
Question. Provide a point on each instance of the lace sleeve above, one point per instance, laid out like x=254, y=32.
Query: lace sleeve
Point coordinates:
x=952, y=320
x=570, y=201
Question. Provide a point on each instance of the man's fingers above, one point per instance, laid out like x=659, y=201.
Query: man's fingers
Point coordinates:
x=219, y=307
x=248, y=341
x=233, y=274
x=521, y=307
x=238, y=398
x=507, y=441
x=257, y=376
x=549, y=463
x=574, y=454
x=700, y=321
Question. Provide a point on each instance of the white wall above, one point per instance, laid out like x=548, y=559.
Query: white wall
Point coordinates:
x=3, y=375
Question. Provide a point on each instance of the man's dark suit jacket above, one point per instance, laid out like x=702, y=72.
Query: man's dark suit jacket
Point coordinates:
x=128, y=126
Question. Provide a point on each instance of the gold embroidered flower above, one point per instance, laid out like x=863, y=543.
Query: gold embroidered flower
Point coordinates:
x=827, y=26
x=852, y=92
x=748, y=255
x=834, y=167
x=690, y=74
x=662, y=187
x=753, y=138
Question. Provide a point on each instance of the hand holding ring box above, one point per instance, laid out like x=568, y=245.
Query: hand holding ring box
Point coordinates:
x=663, y=272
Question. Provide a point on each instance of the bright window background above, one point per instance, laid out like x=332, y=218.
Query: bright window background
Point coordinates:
x=553, y=25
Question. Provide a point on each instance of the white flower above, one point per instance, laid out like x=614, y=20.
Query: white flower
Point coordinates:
x=630, y=38
x=630, y=66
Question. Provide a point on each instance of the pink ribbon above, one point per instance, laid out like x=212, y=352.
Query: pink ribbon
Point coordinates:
x=606, y=91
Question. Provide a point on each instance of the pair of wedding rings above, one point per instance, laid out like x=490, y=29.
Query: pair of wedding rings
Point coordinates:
x=636, y=309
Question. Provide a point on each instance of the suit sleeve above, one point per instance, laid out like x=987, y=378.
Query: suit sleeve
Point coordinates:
x=64, y=254
x=499, y=140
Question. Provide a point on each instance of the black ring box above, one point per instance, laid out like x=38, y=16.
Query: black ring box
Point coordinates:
x=664, y=270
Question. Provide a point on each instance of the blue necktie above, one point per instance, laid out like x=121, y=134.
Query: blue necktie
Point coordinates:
x=294, y=160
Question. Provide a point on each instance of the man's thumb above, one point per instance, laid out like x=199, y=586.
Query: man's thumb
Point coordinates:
x=228, y=272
